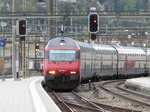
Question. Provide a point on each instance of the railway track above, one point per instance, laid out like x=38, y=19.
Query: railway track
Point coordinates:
x=115, y=87
x=72, y=102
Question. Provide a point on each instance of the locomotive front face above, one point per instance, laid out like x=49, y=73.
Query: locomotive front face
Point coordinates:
x=62, y=66
x=63, y=62
x=62, y=70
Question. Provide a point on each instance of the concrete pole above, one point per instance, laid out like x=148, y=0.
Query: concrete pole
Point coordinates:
x=56, y=19
x=13, y=42
x=44, y=37
x=13, y=5
x=23, y=53
x=76, y=31
x=23, y=49
x=50, y=22
x=13, y=52
x=35, y=56
x=3, y=78
x=28, y=54
x=17, y=59
x=24, y=5
x=71, y=21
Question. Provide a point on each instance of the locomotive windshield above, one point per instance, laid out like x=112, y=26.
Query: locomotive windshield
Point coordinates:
x=59, y=55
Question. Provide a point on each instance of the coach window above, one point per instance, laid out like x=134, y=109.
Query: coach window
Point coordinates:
x=58, y=55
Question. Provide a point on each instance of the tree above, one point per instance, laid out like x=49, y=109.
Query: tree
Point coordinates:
x=102, y=1
x=5, y=8
x=131, y=5
x=126, y=5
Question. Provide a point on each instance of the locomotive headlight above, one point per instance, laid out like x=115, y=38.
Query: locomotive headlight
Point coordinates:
x=51, y=72
x=73, y=72
x=62, y=42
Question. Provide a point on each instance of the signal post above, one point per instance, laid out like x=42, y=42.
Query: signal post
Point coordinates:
x=22, y=31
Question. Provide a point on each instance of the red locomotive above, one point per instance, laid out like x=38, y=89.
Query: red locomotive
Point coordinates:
x=68, y=62
x=62, y=64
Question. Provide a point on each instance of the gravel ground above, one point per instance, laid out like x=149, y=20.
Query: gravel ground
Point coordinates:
x=101, y=96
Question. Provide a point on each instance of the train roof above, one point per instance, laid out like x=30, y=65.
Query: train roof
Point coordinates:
x=68, y=42
x=103, y=47
x=85, y=46
x=129, y=50
x=62, y=42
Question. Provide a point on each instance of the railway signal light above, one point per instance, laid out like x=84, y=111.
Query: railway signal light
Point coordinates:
x=93, y=22
x=37, y=46
x=22, y=27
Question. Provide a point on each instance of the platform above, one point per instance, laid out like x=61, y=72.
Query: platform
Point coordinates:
x=139, y=84
x=26, y=95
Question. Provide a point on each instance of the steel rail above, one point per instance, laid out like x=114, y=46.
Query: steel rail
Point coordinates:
x=108, y=107
x=114, y=108
x=130, y=91
x=75, y=103
x=81, y=106
x=89, y=106
x=62, y=102
x=89, y=101
x=122, y=96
